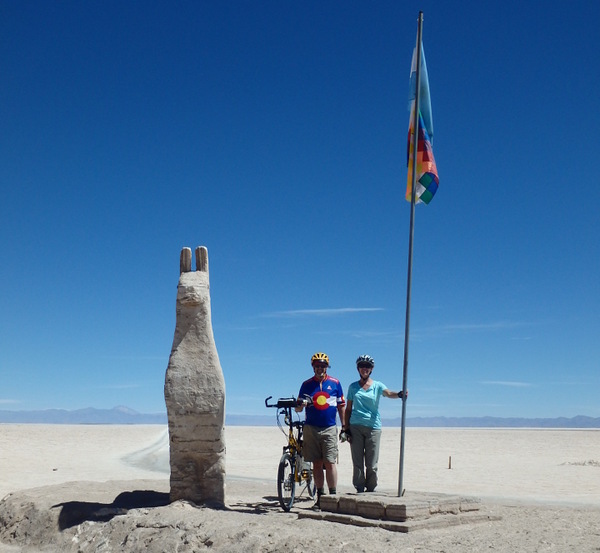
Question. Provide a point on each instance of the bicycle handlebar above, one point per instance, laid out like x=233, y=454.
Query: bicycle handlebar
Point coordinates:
x=286, y=402
x=282, y=402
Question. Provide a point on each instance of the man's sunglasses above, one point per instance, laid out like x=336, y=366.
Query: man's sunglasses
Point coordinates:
x=364, y=366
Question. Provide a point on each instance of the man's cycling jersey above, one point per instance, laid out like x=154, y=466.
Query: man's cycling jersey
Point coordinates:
x=326, y=397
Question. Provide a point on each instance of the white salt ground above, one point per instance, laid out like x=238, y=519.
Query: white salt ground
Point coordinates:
x=545, y=484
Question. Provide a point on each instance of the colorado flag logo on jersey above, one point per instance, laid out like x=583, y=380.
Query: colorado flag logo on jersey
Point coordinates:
x=322, y=400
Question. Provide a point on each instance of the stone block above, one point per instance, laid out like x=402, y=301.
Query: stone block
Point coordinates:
x=396, y=512
x=347, y=505
x=329, y=503
x=371, y=509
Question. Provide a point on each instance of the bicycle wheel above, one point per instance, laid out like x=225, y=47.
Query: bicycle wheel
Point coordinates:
x=286, y=481
x=311, y=487
x=305, y=470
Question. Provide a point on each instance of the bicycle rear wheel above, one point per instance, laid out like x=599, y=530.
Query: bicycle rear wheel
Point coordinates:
x=286, y=481
x=305, y=470
x=311, y=487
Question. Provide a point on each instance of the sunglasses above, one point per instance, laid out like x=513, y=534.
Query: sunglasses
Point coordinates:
x=320, y=365
x=364, y=366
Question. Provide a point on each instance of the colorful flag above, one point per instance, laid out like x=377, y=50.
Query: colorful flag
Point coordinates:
x=424, y=97
x=427, y=179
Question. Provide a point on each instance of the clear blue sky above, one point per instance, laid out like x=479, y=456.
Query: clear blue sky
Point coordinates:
x=274, y=133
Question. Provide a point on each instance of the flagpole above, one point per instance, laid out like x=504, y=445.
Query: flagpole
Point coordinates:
x=410, y=255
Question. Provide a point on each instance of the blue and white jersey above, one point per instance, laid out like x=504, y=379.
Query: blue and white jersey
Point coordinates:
x=326, y=397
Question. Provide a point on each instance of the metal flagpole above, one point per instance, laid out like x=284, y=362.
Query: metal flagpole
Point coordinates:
x=410, y=252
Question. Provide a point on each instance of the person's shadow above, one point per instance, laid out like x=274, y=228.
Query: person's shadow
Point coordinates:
x=75, y=512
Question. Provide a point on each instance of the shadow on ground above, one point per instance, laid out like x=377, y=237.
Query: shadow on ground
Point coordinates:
x=75, y=512
x=269, y=504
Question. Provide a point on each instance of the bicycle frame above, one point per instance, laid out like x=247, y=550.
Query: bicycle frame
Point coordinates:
x=293, y=470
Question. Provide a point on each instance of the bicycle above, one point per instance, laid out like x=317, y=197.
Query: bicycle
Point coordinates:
x=293, y=471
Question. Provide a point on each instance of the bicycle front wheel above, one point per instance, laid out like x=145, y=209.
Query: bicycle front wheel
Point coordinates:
x=286, y=481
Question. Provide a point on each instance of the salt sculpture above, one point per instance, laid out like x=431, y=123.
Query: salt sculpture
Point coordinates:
x=195, y=391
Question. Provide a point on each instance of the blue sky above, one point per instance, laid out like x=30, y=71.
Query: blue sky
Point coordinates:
x=274, y=133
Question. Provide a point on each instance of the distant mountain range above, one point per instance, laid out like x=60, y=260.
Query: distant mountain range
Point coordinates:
x=579, y=421
x=117, y=415
x=125, y=415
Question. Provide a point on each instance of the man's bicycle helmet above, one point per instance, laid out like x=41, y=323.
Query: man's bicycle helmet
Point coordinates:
x=319, y=358
x=366, y=360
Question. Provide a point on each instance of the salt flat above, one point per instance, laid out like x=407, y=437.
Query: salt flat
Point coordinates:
x=544, y=485
x=560, y=466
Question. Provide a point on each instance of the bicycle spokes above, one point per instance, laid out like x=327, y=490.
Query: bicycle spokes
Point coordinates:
x=286, y=481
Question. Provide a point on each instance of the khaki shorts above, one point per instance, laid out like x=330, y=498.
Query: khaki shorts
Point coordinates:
x=320, y=443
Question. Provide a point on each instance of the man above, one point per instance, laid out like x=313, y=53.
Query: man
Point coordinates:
x=320, y=431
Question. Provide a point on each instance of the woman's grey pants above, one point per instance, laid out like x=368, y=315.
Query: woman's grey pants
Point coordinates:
x=365, y=456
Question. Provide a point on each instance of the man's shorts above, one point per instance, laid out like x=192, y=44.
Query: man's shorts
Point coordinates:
x=320, y=443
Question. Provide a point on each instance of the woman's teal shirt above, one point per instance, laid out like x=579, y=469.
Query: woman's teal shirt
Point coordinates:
x=365, y=404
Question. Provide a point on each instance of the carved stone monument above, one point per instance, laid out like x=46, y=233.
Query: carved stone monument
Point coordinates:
x=195, y=391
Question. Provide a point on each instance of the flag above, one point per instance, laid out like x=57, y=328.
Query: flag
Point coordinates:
x=424, y=97
x=427, y=179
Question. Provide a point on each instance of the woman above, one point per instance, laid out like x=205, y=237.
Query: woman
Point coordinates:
x=363, y=422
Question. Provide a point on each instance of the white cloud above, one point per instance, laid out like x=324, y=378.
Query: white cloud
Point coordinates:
x=136, y=357
x=510, y=384
x=497, y=325
x=119, y=387
x=8, y=401
x=322, y=312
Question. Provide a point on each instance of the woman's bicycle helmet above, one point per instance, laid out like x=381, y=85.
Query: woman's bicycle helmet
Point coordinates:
x=365, y=359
